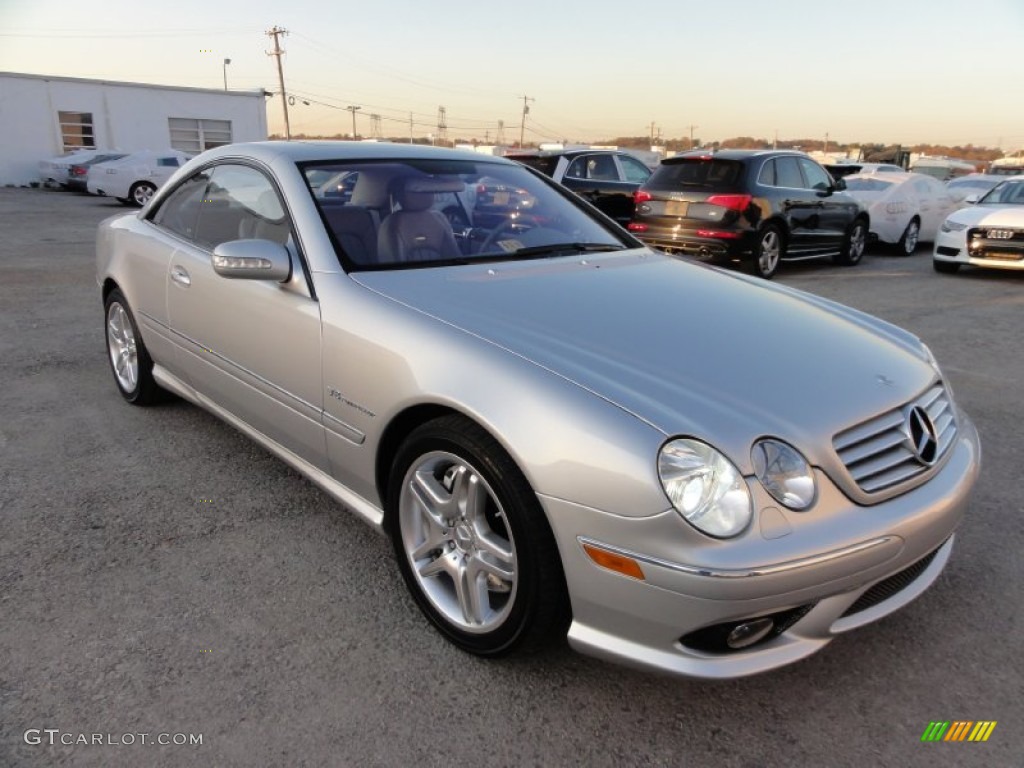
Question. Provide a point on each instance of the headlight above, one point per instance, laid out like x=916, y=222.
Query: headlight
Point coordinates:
x=784, y=473
x=704, y=487
x=952, y=226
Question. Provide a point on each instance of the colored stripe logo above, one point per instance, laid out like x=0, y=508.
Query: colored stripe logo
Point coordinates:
x=958, y=730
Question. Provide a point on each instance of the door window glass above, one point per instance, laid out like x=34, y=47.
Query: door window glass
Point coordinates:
x=815, y=175
x=240, y=204
x=179, y=211
x=635, y=171
x=787, y=173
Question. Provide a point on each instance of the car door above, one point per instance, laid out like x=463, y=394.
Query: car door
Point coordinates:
x=251, y=347
x=597, y=178
x=836, y=211
x=801, y=207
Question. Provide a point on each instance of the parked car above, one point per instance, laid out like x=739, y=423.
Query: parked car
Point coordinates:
x=989, y=233
x=972, y=185
x=134, y=178
x=840, y=170
x=604, y=177
x=761, y=207
x=54, y=170
x=78, y=173
x=905, y=208
x=558, y=428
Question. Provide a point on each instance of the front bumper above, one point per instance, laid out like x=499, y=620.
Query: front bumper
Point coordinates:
x=643, y=622
x=952, y=247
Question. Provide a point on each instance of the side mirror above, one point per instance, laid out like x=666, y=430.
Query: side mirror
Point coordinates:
x=252, y=260
x=972, y=199
x=839, y=186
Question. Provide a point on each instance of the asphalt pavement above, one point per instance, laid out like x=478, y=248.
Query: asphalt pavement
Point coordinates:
x=162, y=575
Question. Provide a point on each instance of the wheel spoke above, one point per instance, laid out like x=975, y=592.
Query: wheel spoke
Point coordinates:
x=470, y=495
x=438, y=566
x=431, y=495
x=496, y=569
x=494, y=546
x=471, y=591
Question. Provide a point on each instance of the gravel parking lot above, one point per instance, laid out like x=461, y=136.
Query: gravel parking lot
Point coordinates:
x=161, y=575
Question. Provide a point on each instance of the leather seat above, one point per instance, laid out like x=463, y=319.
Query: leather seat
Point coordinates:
x=416, y=232
x=355, y=231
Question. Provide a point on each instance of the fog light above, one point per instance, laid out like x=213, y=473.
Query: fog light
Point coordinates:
x=748, y=633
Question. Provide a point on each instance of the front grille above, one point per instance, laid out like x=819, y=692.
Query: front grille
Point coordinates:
x=1001, y=243
x=879, y=453
x=896, y=583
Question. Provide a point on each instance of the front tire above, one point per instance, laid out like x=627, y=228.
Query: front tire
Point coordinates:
x=853, y=244
x=472, y=542
x=129, y=360
x=910, y=238
x=769, y=251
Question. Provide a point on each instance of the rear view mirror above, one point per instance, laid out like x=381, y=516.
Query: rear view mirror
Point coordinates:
x=252, y=260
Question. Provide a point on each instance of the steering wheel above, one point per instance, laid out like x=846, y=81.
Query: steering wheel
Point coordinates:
x=505, y=225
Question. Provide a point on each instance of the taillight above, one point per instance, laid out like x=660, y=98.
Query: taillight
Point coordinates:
x=733, y=202
x=78, y=171
x=635, y=226
x=641, y=196
x=720, y=234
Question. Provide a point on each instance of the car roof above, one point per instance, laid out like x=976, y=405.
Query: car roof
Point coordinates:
x=312, y=151
x=737, y=154
x=566, y=152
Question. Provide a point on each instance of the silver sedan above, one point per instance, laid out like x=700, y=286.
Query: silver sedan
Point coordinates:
x=561, y=431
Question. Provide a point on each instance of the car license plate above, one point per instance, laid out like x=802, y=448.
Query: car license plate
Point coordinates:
x=501, y=198
x=676, y=208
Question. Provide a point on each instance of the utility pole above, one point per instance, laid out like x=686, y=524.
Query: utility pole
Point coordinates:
x=826, y=143
x=500, y=138
x=652, y=132
x=275, y=33
x=775, y=141
x=692, y=129
x=522, y=124
x=410, y=127
x=353, y=110
x=375, y=129
x=442, y=125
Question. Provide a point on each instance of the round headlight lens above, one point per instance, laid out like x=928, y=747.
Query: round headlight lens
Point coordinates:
x=784, y=473
x=704, y=487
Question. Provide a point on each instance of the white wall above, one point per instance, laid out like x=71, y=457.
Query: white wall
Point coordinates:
x=126, y=116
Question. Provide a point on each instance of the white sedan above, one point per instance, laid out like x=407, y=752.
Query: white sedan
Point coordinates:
x=989, y=233
x=54, y=170
x=905, y=208
x=133, y=179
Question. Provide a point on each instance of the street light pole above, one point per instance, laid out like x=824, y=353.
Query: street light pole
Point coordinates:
x=353, y=109
x=226, y=62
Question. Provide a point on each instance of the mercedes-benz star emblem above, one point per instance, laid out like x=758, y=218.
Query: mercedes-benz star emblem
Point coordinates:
x=924, y=442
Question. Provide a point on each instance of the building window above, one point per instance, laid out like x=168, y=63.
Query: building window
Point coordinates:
x=191, y=135
x=76, y=130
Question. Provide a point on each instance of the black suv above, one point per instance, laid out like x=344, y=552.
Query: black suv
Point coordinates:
x=605, y=177
x=757, y=206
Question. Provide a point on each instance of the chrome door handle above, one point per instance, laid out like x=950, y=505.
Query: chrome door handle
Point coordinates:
x=179, y=275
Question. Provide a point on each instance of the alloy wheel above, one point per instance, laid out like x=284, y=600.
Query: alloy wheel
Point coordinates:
x=122, y=347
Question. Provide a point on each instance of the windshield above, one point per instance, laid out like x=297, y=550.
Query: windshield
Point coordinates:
x=416, y=213
x=1006, y=193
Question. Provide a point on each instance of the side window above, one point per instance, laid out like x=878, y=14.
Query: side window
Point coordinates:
x=179, y=211
x=168, y=162
x=602, y=168
x=767, y=176
x=633, y=170
x=241, y=203
x=816, y=176
x=923, y=188
x=577, y=169
x=787, y=173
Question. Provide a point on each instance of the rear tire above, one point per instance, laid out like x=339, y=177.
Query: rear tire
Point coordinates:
x=945, y=267
x=141, y=193
x=127, y=354
x=769, y=251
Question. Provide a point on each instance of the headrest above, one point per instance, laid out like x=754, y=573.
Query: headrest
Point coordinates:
x=417, y=192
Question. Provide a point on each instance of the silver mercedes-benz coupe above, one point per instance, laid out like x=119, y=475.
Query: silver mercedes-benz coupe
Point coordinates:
x=560, y=430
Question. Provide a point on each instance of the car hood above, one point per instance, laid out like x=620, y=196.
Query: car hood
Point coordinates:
x=690, y=349
x=993, y=215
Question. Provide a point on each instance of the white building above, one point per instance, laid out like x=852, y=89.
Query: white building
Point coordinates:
x=43, y=116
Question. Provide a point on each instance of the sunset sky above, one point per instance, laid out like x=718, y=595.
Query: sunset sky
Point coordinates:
x=917, y=71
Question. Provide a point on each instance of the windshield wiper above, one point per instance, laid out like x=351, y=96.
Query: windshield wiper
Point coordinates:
x=559, y=248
